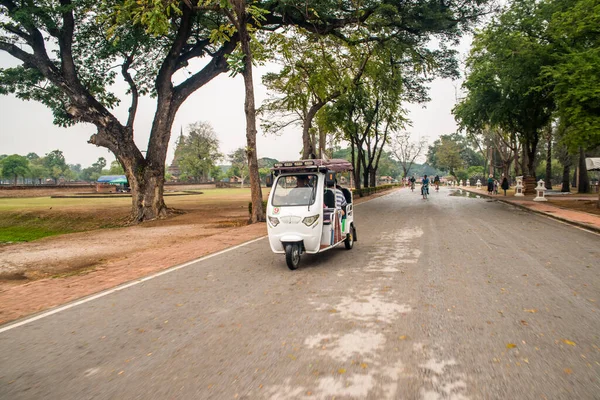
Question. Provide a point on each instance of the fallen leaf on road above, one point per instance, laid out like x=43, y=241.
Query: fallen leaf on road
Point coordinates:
x=568, y=371
x=523, y=322
x=333, y=310
x=570, y=343
x=120, y=373
x=342, y=371
x=403, y=337
x=511, y=346
x=531, y=310
x=363, y=365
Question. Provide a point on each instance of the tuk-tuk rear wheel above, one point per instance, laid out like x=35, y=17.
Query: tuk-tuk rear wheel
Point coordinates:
x=349, y=241
x=292, y=255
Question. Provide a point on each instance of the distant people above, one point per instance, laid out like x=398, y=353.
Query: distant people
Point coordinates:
x=412, y=182
x=490, y=184
x=496, y=185
x=436, y=182
x=505, y=185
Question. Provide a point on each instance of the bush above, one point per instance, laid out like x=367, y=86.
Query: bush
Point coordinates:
x=250, y=207
x=364, y=192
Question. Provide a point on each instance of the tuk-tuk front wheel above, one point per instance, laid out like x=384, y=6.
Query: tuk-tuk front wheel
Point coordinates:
x=292, y=255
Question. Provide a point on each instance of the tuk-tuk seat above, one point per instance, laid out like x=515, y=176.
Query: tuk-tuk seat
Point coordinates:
x=327, y=213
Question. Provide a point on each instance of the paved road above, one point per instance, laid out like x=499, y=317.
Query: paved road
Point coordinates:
x=449, y=298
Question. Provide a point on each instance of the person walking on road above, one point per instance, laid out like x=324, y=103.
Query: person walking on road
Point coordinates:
x=504, y=184
x=490, y=185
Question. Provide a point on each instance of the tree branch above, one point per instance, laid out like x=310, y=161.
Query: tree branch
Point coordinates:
x=216, y=66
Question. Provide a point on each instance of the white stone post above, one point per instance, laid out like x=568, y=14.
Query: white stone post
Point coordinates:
x=541, y=191
x=519, y=187
x=460, y=183
x=479, y=184
x=468, y=182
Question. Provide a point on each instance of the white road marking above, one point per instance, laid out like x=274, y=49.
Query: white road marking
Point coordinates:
x=26, y=321
x=124, y=286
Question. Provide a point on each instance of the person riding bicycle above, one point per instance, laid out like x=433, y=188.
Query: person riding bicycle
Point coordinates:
x=436, y=182
x=425, y=187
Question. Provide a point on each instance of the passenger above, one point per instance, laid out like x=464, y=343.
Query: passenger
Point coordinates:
x=340, y=200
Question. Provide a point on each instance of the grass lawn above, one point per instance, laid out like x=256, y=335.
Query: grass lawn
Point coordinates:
x=31, y=218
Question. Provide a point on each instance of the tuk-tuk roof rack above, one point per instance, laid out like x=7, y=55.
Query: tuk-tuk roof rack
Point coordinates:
x=335, y=164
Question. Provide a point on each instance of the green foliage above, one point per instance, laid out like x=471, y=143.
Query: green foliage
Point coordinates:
x=14, y=166
x=452, y=153
x=574, y=74
x=199, y=152
x=116, y=168
x=504, y=85
x=239, y=164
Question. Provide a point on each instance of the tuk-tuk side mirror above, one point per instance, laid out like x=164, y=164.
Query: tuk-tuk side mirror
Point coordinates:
x=269, y=180
x=330, y=178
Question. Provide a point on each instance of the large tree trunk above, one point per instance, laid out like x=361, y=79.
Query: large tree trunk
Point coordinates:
x=583, y=185
x=322, y=144
x=516, y=155
x=373, y=177
x=566, y=184
x=355, y=165
x=258, y=213
x=548, y=182
x=308, y=142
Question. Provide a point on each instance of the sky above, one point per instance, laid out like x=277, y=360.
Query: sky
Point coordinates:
x=27, y=126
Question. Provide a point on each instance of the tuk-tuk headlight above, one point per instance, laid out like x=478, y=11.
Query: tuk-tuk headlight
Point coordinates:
x=274, y=221
x=308, y=221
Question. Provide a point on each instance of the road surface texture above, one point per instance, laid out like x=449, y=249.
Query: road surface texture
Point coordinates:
x=445, y=298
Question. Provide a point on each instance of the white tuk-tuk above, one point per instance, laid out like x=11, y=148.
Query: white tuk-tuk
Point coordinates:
x=302, y=211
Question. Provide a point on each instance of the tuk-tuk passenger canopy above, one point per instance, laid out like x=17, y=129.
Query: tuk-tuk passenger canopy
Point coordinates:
x=336, y=165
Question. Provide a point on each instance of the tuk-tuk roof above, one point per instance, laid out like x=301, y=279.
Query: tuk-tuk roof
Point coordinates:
x=335, y=164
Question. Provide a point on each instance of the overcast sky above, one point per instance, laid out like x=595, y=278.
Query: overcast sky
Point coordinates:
x=27, y=126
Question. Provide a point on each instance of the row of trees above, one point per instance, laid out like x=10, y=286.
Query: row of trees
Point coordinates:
x=52, y=166
x=533, y=74
x=71, y=53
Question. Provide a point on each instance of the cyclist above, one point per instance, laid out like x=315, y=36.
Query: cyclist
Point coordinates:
x=436, y=182
x=425, y=187
x=412, y=183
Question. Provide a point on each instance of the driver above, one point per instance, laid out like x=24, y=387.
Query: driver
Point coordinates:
x=301, y=192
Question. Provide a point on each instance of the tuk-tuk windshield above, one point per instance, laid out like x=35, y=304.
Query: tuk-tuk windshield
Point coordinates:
x=295, y=190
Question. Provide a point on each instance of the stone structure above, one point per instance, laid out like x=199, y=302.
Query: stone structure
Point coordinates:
x=519, y=187
x=541, y=191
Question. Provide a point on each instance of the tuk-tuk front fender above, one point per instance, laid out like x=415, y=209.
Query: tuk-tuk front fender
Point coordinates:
x=291, y=239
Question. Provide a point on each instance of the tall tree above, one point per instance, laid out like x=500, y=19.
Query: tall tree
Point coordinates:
x=14, y=166
x=199, y=152
x=574, y=73
x=239, y=164
x=407, y=151
x=55, y=164
x=504, y=85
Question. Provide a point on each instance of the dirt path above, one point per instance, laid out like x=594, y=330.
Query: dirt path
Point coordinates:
x=39, y=275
